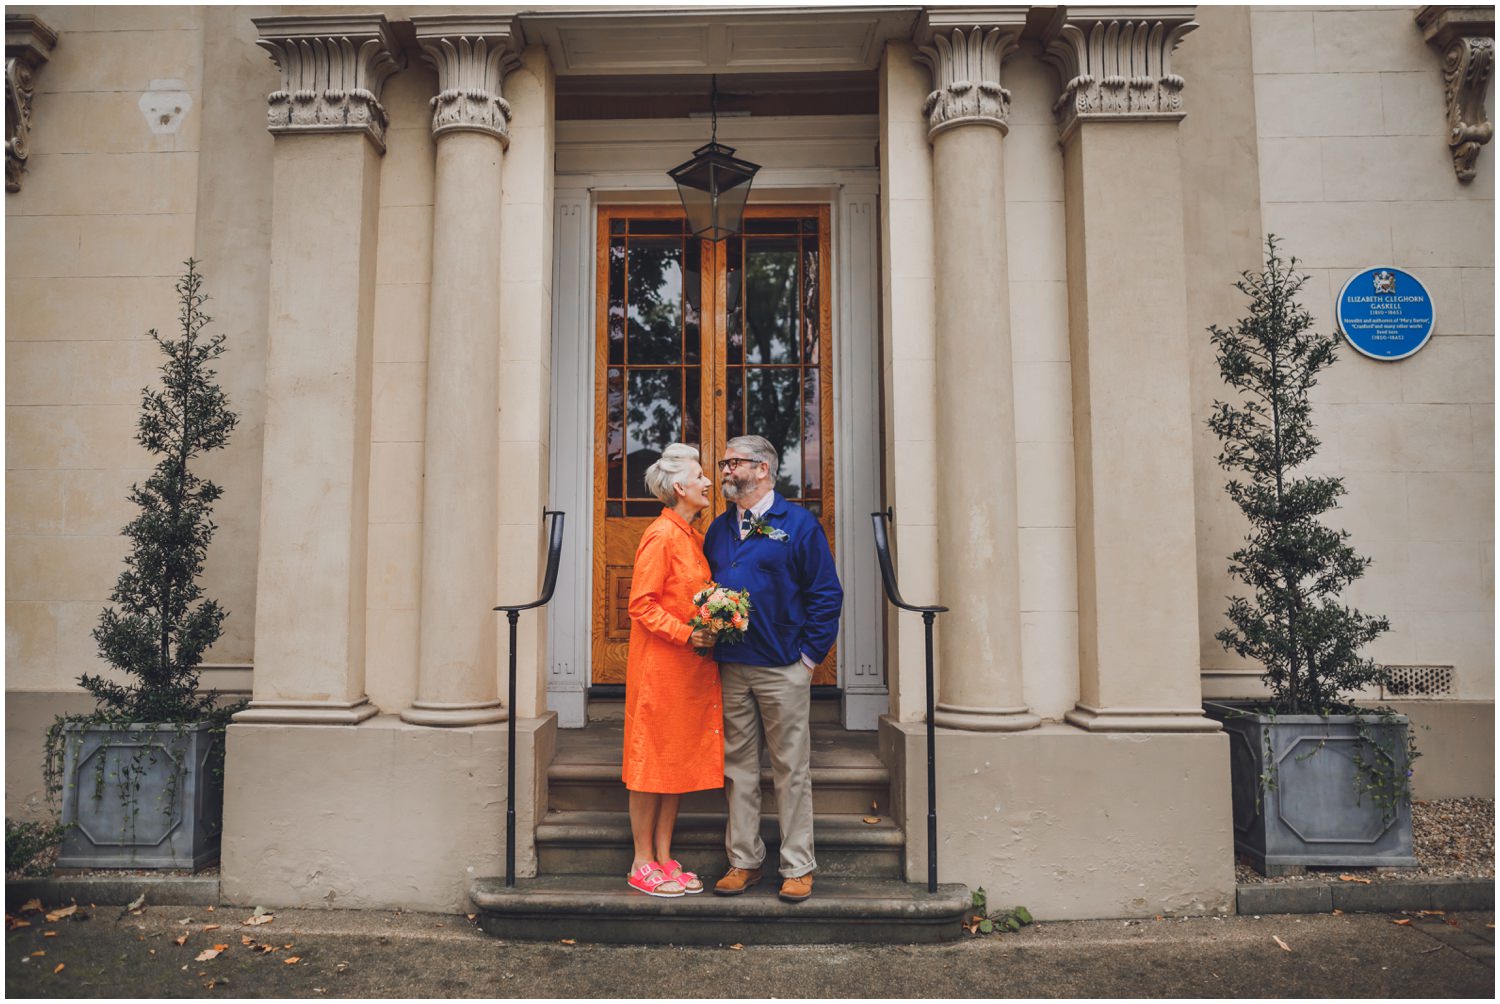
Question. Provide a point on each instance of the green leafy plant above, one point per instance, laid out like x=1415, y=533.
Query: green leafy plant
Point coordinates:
x=1294, y=565
x=981, y=921
x=28, y=843
x=159, y=624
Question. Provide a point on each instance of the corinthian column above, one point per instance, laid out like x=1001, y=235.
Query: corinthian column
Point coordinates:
x=1127, y=317
x=978, y=554
x=457, y=683
x=310, y=584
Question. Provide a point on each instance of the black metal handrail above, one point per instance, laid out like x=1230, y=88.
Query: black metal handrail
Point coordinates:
x=929, y=616
x=513, y=614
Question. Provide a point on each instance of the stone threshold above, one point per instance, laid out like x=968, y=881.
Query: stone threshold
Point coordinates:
x=596, y=908
x=114, y=890
x=1356, y=897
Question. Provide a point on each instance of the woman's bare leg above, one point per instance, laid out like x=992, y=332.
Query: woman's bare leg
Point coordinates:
x=644, y=806
x=665, y=824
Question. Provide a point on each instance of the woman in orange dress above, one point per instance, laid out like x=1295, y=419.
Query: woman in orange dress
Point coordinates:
x=674, y=720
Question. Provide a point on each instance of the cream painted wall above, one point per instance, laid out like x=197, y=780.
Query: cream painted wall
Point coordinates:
x=1042, y=376
x=94, y=241
x=1355, y=172
x=403, y=272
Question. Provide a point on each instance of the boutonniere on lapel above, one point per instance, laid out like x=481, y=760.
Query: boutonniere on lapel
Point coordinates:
x=760, y=528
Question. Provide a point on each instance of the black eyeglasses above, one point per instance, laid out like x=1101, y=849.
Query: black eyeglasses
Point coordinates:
x=731, y=463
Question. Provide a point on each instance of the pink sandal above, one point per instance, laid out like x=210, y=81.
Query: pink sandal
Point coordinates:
x=650, y=877
x=688, y=880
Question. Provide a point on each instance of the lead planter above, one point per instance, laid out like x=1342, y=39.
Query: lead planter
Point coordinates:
x=1300, y=795
x=141, y=796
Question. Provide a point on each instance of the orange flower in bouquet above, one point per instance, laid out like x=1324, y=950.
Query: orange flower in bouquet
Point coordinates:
x=725, y=612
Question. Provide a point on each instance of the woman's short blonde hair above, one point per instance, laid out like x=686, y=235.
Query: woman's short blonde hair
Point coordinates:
x=673, y=468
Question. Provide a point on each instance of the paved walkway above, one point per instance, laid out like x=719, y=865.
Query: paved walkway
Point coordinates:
x=383, y=954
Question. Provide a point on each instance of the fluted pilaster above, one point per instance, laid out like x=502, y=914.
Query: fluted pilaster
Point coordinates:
x=28, y=44
x=1466, y=38
x=332, y=72
x=1116, y=62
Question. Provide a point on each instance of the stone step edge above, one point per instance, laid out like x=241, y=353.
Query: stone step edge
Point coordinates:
x=607, y=897
x=575, y=828
x=1356, y=897
x=589, y=773
x=111, y=890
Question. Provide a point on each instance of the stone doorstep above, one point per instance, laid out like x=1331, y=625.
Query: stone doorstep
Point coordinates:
x=111, y=890
x=1356, y=897
x=604, y=909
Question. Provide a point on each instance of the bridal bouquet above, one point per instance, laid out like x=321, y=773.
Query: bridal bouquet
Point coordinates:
x=726, y=612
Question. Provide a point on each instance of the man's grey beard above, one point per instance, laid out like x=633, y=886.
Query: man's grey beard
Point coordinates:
x=731, y=489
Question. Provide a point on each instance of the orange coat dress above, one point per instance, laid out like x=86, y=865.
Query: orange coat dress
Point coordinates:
x=674, y=717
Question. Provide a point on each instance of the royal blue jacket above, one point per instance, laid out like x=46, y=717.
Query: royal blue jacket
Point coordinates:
x=795, y=596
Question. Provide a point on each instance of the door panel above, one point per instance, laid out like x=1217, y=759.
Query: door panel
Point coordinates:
x=698, y=342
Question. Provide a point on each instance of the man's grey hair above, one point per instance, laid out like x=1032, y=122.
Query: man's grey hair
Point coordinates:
x=757, y=448
x=672, y=468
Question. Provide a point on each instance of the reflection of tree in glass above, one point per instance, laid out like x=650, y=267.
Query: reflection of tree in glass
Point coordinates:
x=655, y=301
x=770, y=301
x=773, y=409
x=653, y=419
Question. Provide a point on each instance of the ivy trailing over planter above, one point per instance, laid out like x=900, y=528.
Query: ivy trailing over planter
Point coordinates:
x=159, y=623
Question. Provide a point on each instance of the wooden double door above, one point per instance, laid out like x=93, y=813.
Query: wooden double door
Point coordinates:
x=698, y=342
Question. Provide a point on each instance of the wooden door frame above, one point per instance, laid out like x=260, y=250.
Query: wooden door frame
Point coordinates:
x=712, y=419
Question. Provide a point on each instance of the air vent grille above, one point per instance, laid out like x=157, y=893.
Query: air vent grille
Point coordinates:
x=1418, y=681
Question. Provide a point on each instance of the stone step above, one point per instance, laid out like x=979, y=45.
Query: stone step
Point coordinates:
x=823, y=710
x=841, y=790
x=604, y=909
x=599, y=843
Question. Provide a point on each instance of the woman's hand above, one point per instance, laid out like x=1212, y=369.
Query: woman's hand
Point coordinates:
x=702, y=637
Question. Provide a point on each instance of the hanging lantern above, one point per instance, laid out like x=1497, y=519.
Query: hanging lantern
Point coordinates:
x=714, y=185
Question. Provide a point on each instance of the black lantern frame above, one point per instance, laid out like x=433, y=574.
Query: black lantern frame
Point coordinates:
x=715, y=184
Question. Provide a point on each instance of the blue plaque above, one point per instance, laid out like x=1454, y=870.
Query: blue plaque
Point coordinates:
x=1385, y=313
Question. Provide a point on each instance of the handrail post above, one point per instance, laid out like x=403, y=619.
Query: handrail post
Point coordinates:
x=929, y=618
x=513, y=614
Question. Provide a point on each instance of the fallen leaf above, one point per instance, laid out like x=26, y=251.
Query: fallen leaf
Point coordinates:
x=14, y=922
x=259, y=918
x=152, y=951
x=210, y=984
x=1432, y=913
x=211, y=910
x=182, y=940
x=245, y=939
x=261, y=911
x=57, y=915
x=872, y=819
x=206, y=954
x=210, y=927
x=1284, y=946
x=1355, y=878
x=60, y=967
x=1337, y=912
x=341, y=967
x=470, y=915
x=32, y=906
x=736, y=947
x=48, y=934
x=37, y=955
x=291, y=960
x=136, y=903
x=569, y=941
x=1404, y=921
x=874, y=806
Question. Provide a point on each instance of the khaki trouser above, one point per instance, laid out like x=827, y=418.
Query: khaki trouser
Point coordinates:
x=779, y=699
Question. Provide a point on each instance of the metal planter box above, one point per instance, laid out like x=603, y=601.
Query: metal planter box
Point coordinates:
x=142, y=796
x=1313, y=814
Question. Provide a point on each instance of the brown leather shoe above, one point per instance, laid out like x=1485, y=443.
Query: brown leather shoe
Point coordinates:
x=795, y=890
x=736, y=881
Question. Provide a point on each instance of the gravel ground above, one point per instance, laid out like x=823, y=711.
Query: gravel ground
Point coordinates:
x=1452, y=838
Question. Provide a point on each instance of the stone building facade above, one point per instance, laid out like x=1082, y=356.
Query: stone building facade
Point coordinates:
x=1028, y=216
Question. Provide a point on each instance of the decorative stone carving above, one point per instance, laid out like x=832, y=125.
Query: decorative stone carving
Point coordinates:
x=1116, y=62
x=965, y=67
x=332, y=71
x=472, y=57
x=1466, y=38
x=28, y=44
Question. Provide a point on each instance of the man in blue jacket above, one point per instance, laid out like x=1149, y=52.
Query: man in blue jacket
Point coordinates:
x=778, y=551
